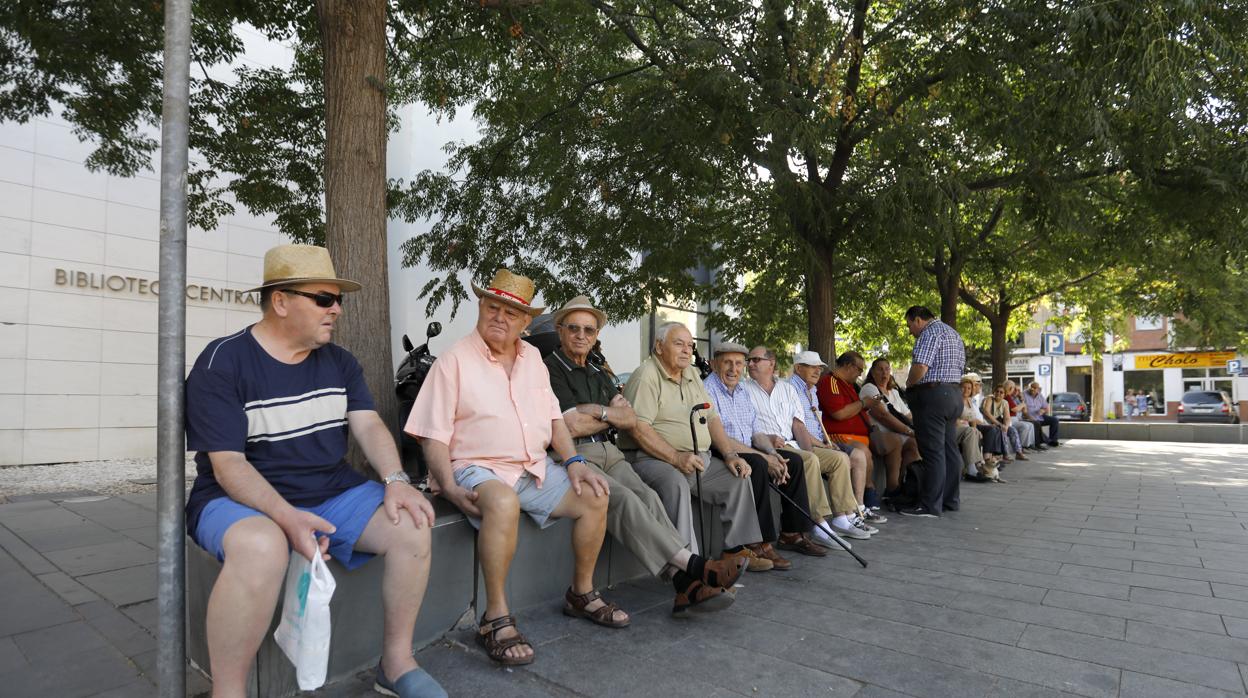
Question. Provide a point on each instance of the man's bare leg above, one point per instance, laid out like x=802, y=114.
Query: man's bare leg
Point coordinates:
x=407, y=552
x=496, y=543
x=242, y=601
x=858, y=472
x=589, y=514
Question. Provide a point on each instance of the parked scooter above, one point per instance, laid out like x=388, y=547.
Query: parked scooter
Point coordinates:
x=408, y=380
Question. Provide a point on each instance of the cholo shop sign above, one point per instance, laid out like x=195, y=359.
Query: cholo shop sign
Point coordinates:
x=1192, y=359
x=118, y=283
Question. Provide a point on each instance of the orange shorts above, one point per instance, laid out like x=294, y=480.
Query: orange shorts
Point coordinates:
x=852, y=438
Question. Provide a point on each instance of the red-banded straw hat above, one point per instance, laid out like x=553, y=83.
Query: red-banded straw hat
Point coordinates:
x=511, y=289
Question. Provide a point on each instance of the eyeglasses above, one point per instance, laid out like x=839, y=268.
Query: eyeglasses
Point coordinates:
x=581, y=329
x=756, y=359
x=323, y=299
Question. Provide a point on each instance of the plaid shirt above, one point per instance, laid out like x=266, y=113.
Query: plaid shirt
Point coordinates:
x=736, y=409
x=939, y=347
x=814, y=424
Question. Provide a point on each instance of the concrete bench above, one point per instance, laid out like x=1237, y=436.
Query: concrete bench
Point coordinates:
x=1156, y=431
x=539, y=574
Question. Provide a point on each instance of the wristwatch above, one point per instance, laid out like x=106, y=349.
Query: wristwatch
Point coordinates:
x=398, y=476
x=603, y=416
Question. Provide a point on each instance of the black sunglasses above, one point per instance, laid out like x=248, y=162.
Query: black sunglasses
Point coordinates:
x=323, y=299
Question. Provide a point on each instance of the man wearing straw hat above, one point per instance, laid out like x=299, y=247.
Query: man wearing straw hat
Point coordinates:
x=594, y=411
x=486, y=416
x=268, y=410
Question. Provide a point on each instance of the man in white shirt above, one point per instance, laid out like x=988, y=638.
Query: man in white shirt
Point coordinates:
x=779, y=408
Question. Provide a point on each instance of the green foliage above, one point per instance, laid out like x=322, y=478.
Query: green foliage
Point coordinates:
x=791, y=145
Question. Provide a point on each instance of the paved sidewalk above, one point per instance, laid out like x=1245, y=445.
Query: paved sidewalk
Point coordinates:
x=1101, y=569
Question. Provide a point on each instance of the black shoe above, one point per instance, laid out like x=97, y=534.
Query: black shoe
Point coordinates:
x=952, y=507
x=1039, y=447
x=919, y=511
x=890, y=494
x=1054, y=444
x=978, y=477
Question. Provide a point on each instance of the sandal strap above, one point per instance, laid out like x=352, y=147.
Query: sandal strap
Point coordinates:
x=580, y=601
x=605, y=612
x=489, y=627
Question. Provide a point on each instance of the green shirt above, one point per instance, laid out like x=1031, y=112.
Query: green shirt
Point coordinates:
x=578, y=385
x=665, y=404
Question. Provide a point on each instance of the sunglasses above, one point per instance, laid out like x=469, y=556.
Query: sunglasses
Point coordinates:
x=581, y=329
x=755, y=359
x=323, y=299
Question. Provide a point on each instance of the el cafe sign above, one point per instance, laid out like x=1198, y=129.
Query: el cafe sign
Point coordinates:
x=144, y=286
x=1195, y=359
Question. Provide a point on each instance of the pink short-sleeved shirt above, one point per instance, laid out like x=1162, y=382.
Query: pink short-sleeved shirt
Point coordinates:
x=485, y=417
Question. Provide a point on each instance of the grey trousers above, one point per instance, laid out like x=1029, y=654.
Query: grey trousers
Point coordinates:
x=635, y=514
x=719, y=487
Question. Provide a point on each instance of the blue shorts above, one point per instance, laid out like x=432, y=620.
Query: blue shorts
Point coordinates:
x=537, y=502
x=349, y=512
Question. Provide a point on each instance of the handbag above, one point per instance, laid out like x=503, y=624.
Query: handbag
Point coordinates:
x=304, y=631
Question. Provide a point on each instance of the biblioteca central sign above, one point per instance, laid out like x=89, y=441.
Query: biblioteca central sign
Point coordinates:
x=142, y=286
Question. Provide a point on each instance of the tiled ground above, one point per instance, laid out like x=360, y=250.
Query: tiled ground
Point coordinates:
x=1101, y=569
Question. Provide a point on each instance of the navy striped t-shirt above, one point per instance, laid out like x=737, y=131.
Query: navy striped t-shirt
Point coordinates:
x=289, y=420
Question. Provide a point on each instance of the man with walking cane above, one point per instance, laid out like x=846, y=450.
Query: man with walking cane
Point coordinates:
x=595, y=413
x=783, y=469
x=663, y=391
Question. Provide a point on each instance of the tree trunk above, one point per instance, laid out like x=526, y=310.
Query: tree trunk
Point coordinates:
x=821, y=306
x=1000, y=352
x=1097, y=408
x=949, y=287
x=353, y=41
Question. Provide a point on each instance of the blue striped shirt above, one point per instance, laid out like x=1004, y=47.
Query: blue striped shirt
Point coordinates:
x=813, y=423
x=940, y=348
x=735, y=408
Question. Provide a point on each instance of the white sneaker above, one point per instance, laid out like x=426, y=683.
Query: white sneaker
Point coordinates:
x=850, y=532
x=822, y=537
x=863, y=525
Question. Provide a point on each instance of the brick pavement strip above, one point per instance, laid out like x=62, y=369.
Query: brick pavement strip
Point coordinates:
x=1117, y=574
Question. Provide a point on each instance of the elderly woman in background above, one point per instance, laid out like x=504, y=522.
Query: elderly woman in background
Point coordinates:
x=996, y=412
x=974, y=465
x=1026, y=430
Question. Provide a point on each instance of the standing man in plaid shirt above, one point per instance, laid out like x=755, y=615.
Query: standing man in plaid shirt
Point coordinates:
x=936, y=366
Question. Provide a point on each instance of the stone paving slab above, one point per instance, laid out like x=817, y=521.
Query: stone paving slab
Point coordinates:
x=1102, y=569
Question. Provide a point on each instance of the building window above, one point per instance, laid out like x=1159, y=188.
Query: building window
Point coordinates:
x=1149, y=323
x=1150, y=384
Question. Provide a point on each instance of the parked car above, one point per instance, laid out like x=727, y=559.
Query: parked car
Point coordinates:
x=1068, y=407
x=1207, y=406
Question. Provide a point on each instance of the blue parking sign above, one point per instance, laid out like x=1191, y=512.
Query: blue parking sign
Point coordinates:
x=1052, y=344
x=1234, y=367
x=1043, y=370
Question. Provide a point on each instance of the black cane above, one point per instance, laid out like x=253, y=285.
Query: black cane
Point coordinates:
x=827, y=529
x=697, y=473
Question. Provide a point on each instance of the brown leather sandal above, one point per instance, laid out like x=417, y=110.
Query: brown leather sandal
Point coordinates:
x=495, y=647
x=574, y=605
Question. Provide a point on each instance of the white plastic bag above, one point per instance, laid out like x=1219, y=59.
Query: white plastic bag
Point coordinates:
x=304, y=631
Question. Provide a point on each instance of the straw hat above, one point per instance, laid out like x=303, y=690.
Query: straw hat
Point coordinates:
x=581, y=303
x=510, y=289
x=300, y=264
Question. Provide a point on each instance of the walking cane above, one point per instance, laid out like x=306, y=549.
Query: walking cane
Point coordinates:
x=697, y=474
x=824, y=524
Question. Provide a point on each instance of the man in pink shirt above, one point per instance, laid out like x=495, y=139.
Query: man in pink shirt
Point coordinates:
x=485, y=417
